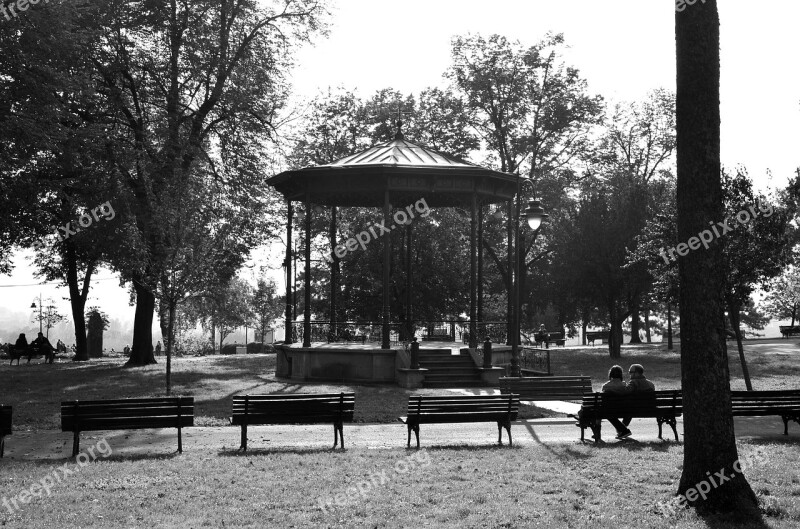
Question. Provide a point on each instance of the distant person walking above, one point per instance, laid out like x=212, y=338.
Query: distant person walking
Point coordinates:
x=158, y=348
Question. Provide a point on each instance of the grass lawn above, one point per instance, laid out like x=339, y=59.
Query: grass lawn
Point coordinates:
x=619, y=485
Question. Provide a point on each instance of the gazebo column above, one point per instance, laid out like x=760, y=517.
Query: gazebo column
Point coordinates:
x=409, y=284
x=307, y=293
x=473, y=268
x=480, y=268
x=387, y=256
x=334, y=273
x=289, y=320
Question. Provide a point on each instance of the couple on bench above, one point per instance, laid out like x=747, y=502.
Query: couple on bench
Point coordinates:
x=637, y=384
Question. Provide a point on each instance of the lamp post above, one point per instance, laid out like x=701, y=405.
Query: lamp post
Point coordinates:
x=535, y=215
x=33, y=306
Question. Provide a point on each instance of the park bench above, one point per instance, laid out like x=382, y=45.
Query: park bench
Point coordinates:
x=16, y=353
x=5, y=426
x=591, y=336
x=788, y=330
x=311, y=408
x=126, y=414
x=547, y=388
x=664, y=406
x=783, y=403
x=448, y=409
x=549, y=337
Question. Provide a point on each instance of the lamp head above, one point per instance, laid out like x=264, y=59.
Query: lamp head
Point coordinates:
x=535, y=214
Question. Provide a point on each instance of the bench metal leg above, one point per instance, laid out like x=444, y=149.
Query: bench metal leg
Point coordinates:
x=415, y=429
x=180, y=441
x=338, y=434
x=596, y=427
x=243, y=445
x=76, y=443
x=500, y=426
x=412, y=428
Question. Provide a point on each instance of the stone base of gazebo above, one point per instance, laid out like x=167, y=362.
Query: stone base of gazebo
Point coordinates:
x=337, y=363
x=368, y=363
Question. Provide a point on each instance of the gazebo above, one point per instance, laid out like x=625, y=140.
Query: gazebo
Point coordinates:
x=389, y=176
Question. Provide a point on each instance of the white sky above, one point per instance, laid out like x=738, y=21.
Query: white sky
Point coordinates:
x=623, y=48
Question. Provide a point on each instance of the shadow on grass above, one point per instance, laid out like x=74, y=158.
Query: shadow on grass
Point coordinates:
x=632, y=445
x=279, y=450
x=463, y=448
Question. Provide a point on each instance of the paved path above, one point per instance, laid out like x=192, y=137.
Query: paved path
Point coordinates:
x=54, y=445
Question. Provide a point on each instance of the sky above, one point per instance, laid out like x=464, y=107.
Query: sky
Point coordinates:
x=624, y=49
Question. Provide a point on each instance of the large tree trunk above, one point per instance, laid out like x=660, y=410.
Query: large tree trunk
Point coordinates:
x=794, y=314
x=142, y=350
x=635, y=322
x=647, y=335
x=709, y=442
x=77, y=299
x=733, y=315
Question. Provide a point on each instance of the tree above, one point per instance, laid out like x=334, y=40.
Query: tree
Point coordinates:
x=232, y=307
x=267, y=307
x=783, y=295
x=535, y=114
x=191, y=89
x=709, y=441
x=756, y=249
x=48, y=316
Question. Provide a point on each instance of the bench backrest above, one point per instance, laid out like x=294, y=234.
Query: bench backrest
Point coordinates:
x=311, y=408
x=5, y=420
x=123, y=414
x=547, y=388
x=645, y=404
x=758, y=402
x=468, y=405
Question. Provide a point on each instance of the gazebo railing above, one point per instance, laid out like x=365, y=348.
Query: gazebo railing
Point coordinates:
x=535, y=359
x=435, y=330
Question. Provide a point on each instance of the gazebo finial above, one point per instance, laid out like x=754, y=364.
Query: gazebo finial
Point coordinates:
x=399, y=134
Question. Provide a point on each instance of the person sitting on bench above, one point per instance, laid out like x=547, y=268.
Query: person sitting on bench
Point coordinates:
x=637, y=384
x=541, y=336
x=618, y=386
x=21, y=344
x=44, y=347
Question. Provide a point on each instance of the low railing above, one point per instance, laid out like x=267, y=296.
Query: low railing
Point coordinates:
x=535, y=359
x=445, y=330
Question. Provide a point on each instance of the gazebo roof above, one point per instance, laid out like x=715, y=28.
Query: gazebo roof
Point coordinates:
x=406, y=170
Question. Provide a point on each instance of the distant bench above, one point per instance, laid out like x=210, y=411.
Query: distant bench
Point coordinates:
x=664, y=406
x=783, y=403
x=5, y=426
x=126, y=414
x=551, y=337
x=547, y=388
x=447, y=409
x=591, y=336
x=311, y=408
x=788, y=330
